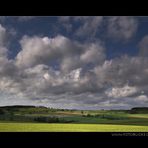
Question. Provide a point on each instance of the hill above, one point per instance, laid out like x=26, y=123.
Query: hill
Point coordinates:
x=139, y=110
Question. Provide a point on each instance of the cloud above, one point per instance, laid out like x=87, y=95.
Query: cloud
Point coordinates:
x=43, y=84
x=68, y=54
x=34, y=66
x=25, y=18
x=83, y=76
x=121, y=92
x=125, y=69
x=122, y=27
x=86, y=24
x=3, y=36
x=93, y=54
x=4, y=62
x=142, y=98
x=18, y=18
x=118, y=28
x=90, y=25
x=37, y=50
x=2, y=18
x=3, y=53
x=143, y=45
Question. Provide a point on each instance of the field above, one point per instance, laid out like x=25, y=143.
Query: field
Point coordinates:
x=42, y=127
x=41, y=119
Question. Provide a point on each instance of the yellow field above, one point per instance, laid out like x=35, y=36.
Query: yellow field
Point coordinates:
x=39, y=127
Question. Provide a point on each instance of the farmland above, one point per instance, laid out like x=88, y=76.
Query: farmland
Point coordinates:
x=42, y=119
x=54, y=127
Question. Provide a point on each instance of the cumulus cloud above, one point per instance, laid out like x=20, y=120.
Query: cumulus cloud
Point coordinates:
x=121, y=92
x=69, y=54
x=125, y=69
x=37, y=50
x=78, y=87
x=31, y=75
x=93, y=54
x=84, y=77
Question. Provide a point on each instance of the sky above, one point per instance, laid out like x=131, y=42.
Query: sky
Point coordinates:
x=74, y=62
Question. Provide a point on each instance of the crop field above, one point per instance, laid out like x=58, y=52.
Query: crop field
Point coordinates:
x=44, y=127
x=41, y=119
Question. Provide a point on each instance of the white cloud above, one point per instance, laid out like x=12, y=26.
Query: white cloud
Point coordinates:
x=125, y=91
x=142, y=98
x=46, y=76
x=74, y=75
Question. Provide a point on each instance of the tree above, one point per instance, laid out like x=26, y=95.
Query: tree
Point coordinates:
x=89, y=115
x=2, y=112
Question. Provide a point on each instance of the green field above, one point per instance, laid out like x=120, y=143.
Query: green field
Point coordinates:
x=42, y=127
x=41, y=119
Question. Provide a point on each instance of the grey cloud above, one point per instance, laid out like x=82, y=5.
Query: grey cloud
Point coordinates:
x=119, y=71
x=3, y=36
x=88, y=24
x=109, y=83
x=143, y=45
x=79, y=87
x=25, y=18
x=93, y=54
x=118, y=28
x=36, y=50
x=18, y=18
x=69, y=54
x=122, y=27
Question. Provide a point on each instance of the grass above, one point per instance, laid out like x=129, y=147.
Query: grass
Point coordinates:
x=44, y=127
x=145, y=116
